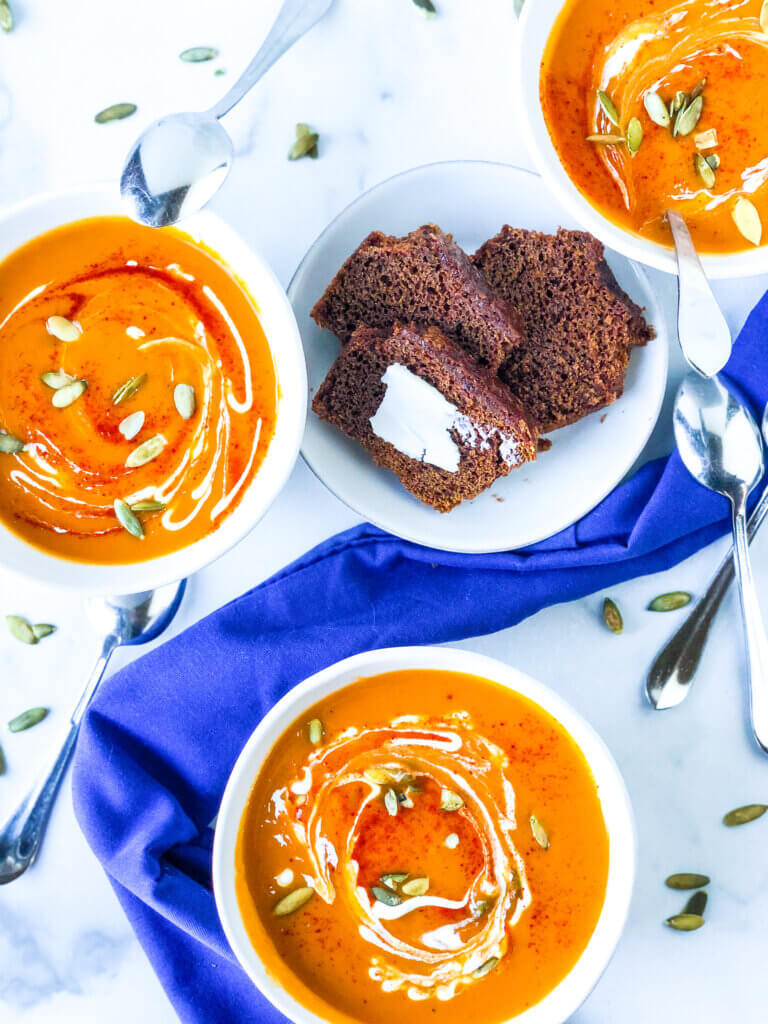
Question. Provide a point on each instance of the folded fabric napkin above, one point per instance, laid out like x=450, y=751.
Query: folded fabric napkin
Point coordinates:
x=145, y=793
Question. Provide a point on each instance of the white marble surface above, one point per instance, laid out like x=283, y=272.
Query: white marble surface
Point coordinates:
x=388, y=89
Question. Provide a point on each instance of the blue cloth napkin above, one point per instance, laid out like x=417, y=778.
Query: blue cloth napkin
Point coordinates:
x=162, y=735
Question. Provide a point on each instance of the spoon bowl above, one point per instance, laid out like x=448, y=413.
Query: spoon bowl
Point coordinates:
x=175, y=167
x=717, y=437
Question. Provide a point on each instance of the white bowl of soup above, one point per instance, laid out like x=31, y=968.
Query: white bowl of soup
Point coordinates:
x=152, y=393
x=424, y=834
x=680, y=126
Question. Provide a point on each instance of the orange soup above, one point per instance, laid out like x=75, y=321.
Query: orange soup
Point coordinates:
x=685, y=125
x=137, y=391
x=422, y=846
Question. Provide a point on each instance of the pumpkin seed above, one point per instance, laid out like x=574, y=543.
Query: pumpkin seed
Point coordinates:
x=688, y=117
x=656, y=109
x=148, y=505
x=6, y=16
x=425, y=5
x=763, y=17
x=27, y=719
x=697, y=904
x=10, y=445
x=415, y=887
x=609, y=107
x=57, y=379
x=293, y=901
x=394, y=879
x=706, y=140
x=378, y=776
x=483, y=907
x=612, y=616
x=305, y=144
x=146, y=452
x=743, y=815
x=128, y=519
x=128, y=389
x=450, y=801
x=747, y=220
x=704, y=171
x=2, y=762
x=21, y=629
x=117, y=112
x=486, y=968
x=131, y=425
x=698, y=89
x=634, y=135
x=670, y=602
x=686, y=880
x=539, y=833
x=386, y=896
x=219, y=72
x=70, y=393
x=315, y=731
x=713, y=160
x=677, y=104
x=198, y=54
x=390, y=802
x=63, y=329
x=685, y=922
x=184, y=400
x=43, y=629
x=606, y=140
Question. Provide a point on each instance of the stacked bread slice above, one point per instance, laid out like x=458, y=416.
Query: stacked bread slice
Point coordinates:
x=450, y=366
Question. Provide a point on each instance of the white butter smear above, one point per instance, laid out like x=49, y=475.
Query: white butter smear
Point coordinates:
x=417, y=419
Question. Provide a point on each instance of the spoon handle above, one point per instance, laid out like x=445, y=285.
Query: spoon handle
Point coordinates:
x=754, y=630
x=22, y=834
x=295, y=18
x=671, y=673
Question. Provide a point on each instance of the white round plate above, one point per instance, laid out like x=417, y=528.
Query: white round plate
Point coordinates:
x=473, y=200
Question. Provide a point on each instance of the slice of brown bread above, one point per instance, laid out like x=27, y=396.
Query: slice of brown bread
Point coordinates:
x=424, y=277
x=459, y=412
x=579, y=326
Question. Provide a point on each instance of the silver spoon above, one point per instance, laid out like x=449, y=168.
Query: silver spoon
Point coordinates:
x=179, y=163
x=131, y=619
x=670, y=677
x=720, y=444
x=702, y=330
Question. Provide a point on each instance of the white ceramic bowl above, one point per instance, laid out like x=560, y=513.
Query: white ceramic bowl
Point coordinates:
x=22, y=222
x=536, y=23
x=576, y=986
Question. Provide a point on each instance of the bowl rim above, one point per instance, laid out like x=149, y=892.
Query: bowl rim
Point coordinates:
x=573, y=989
x=534, y=29
x=271, y=301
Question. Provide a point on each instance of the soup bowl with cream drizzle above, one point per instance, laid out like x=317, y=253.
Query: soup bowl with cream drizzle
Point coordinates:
x=569, y=51
x=378, y=825
x=188, y=403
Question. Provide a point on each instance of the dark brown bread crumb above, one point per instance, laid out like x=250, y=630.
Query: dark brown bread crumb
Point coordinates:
x=424, y=277
x=353, y=390
x=579, y=326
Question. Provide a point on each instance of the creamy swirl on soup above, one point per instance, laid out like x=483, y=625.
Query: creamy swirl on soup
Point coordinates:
x=430, y=932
